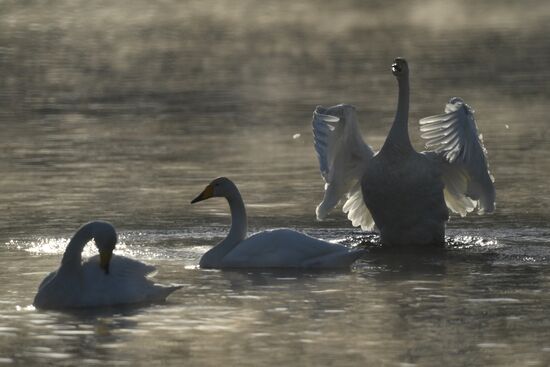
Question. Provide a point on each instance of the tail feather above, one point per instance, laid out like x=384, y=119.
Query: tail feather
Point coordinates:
x=162, y=292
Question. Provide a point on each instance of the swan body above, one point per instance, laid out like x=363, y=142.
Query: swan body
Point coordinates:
x=407, y=195
x=421, y=213
x=285, y=248
x=101, y=281
x=278, y=248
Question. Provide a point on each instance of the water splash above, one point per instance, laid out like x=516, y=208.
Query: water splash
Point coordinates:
x=462, y=242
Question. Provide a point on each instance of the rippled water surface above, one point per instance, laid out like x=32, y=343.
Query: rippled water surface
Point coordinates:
x=124, y=110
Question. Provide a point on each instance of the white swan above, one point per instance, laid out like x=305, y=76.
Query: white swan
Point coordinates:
x=104, y=280
x=279, y=248
x=404, y=193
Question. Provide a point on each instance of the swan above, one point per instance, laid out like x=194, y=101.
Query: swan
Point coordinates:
x=407, y=195
x=278, y=248
x=104, y=280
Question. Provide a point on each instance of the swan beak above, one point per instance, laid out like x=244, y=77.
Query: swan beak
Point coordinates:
x=207, y=193
x=104, y=260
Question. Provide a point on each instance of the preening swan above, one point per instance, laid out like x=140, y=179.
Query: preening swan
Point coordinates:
x=104, y=280
x=404, y=193
x=278, y=248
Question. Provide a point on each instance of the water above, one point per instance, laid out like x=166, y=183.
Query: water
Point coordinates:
x=124, y=111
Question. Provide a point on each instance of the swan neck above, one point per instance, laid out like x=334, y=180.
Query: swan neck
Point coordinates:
x=237, y=233
x=73, y=252
x=239, y=221
x=398, y=139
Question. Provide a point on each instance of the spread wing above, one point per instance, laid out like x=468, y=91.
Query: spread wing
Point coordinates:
x=453, y=137
x=343, y=156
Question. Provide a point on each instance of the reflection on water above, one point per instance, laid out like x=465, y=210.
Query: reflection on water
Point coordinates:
x=124, y=112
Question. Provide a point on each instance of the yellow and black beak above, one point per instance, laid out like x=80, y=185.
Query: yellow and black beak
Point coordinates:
x=105, y=260
x=207, y=193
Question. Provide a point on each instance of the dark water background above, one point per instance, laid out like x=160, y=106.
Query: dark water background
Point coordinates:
x=125, y=110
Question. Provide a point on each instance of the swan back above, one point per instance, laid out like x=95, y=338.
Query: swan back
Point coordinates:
x=285, y=248
x=405, y=197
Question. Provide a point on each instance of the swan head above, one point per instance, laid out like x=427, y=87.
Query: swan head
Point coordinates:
x=105, y=239
x=400, y=68
x=219, y=187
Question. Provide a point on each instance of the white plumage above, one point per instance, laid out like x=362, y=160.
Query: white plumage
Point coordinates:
x=404, y=193
x=278, y=248
x=100, y=281
x=454, y=138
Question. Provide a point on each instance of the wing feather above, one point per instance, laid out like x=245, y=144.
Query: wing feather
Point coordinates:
x=453, y=137
x=356, y=210
x=343, y=156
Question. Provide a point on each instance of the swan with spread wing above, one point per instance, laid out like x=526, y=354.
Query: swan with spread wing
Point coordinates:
x=407, y=195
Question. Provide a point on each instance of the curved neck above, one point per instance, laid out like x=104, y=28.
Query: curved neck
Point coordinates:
x=398, y=137
x=73, y=252
x=237, y=233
